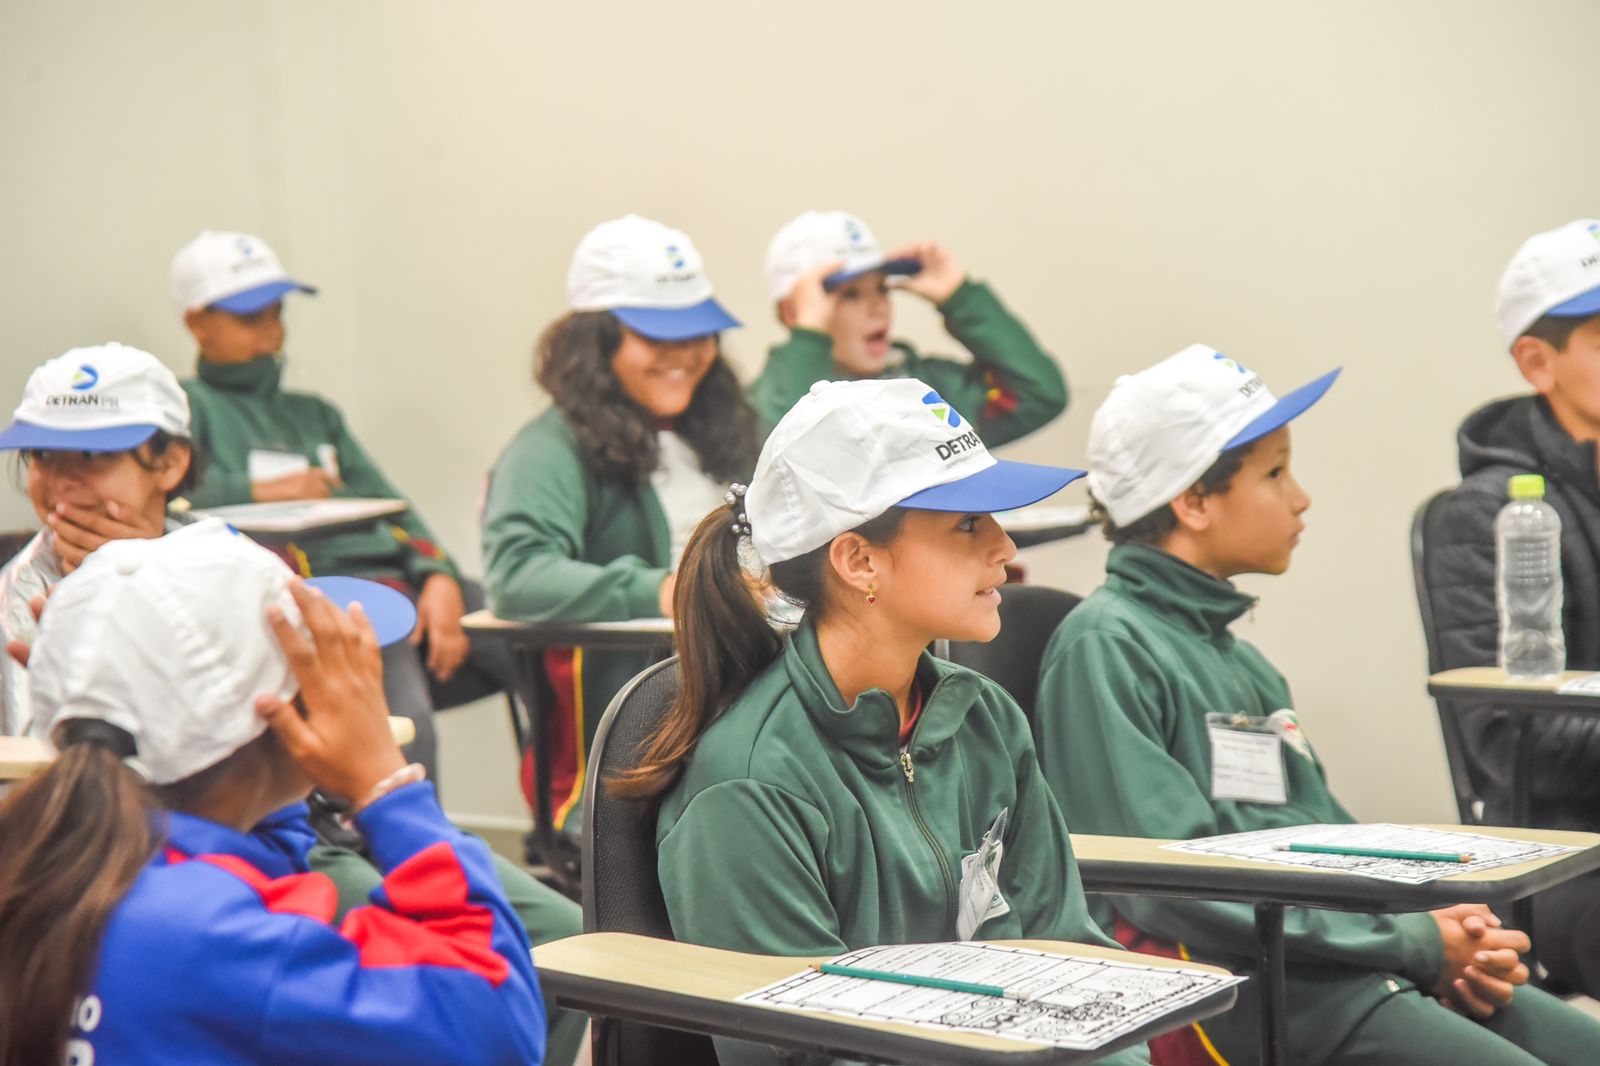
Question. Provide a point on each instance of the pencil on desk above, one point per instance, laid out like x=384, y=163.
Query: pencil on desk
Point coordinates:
x=1378, y=853
x=948, y=985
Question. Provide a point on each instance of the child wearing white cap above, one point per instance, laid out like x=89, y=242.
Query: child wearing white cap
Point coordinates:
x=1144, y=683
x=154, y=898
x=829, y=789
x=830, y=280
x=589, y=506
x=1549, y=315
x=102, y=434
x=263, y=442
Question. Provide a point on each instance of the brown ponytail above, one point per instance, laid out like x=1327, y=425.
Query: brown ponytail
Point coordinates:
x=72, y=839
x=723, y=636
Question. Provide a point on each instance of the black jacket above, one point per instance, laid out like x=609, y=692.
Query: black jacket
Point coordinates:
x=1521, y=436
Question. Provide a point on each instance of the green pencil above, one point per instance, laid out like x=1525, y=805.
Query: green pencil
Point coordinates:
x=1378, y=853
x=913, y=979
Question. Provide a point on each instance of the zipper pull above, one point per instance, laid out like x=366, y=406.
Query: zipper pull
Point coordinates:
x=906, y=767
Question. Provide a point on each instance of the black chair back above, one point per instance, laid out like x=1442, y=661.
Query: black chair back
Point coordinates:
x=1424, y=527
x=1029, y=616
x=621, y=889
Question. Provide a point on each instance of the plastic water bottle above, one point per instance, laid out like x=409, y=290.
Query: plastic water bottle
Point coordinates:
x=1527, y=537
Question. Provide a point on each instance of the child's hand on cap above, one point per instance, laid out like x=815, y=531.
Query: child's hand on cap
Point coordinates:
x=939, y=277
x=343, y=743
x=813, y=305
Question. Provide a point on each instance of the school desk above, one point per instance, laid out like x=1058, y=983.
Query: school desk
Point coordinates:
x=281, y=521
x=687, y=986
x=21, y=756
x=1137, y=866
x=527, y=642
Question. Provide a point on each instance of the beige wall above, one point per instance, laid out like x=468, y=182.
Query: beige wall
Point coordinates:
x=1302, y=185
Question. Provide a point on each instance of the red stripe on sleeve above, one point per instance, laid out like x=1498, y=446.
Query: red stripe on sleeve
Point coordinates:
x=309, y=895
x=432, y=922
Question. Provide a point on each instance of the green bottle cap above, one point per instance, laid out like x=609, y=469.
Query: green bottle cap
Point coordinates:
x=1527, y=486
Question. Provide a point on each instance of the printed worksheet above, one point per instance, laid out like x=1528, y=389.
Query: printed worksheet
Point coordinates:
x=1060, y=1000
x=1268, y=845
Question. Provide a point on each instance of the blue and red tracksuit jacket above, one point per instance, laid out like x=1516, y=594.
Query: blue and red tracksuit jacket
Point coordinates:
x=224, y=952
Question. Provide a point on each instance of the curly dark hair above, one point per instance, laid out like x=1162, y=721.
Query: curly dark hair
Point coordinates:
x=617, y=437
x=1154, y=527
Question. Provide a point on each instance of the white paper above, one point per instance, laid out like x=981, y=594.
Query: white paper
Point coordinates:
x=270, y=466
x=1247, y=766
x=300, y=516
x=1067, y=1002
x=1588, y=685
x=1487, y=852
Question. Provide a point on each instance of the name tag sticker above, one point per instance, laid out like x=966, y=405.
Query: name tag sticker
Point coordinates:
x=1246, y=766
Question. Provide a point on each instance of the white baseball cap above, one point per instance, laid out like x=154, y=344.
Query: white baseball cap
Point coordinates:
x=650, y=276
x=105, y=398
x=818, y=237
x=1553, y=273
x=231, y=272
x=850, y=450
x=138, y=637
x=1162, y=428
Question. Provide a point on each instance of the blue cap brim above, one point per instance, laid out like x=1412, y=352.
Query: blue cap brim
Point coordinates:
x=1287, y=409
x=1004, y=486
x=250, y=301
x=25, y=435
x=904, y=267
x=1580, y=306
x=677, y=323
x=391, y=612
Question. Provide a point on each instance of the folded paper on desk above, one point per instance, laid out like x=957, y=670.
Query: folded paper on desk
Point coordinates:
x=1072, y=1002
x=1487, y=852
x=1588, y=685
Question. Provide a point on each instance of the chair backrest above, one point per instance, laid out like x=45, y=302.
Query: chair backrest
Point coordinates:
x=621, y=888
x=1424, y=525
x=1029, y=616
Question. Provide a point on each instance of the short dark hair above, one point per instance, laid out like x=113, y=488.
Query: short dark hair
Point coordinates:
x=1154, y=527
x=1557, y=330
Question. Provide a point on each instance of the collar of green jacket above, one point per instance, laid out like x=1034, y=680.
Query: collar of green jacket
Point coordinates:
x=261, y=374
x=869, y=728
x=1170, y=587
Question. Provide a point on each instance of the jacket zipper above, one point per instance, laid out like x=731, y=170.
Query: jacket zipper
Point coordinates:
x=909, y=768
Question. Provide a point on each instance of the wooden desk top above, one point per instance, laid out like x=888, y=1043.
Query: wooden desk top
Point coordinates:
x=21, y=756
x=1492, y=677
x=632, y=633
x=286, y=518
x=1140, y=866
x=651, y=980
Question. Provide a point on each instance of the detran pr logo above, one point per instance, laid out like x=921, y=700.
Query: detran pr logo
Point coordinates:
x=941, y=410
x=675, y=256
x=852, y=230
x=86, y=378
x=1229, y=363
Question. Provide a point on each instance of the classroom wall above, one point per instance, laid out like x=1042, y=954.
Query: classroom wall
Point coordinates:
x=1301, y=185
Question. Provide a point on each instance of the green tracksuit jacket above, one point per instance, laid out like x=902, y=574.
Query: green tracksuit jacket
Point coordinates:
x=562, y=544
x=1125, y=687
x=238, y=408
x=797, y=829
x=1011, y=387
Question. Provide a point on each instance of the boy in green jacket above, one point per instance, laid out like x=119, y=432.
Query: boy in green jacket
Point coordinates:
x=830, y=280
x=1189, y=470
x=261, y=442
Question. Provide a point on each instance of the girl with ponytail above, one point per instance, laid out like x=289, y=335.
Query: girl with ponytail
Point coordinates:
x=155, y=901
x=829, y=789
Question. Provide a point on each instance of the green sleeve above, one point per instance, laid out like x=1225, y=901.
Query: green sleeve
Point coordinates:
x=1028, y=385
x=361, y=477
x=767, y=896
x=224, y=477
x=533, y=542
x=792, y=368
x=1100, y=729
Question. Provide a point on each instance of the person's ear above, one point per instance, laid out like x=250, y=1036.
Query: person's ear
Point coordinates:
x=174, y=466
x=786, y=312
x=856, y=561
x=1193, y=511
x=1535, y=359
x=196, y=320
